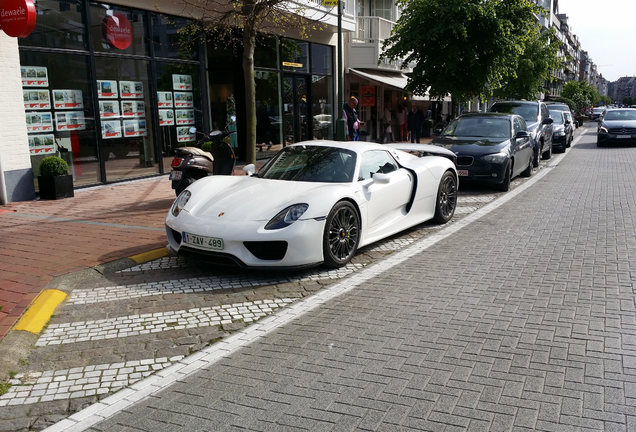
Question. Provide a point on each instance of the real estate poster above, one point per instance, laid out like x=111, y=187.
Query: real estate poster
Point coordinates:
x=36, y=99
x=135, y=128
x=131, y=89
x=183, y=100
x=182, y=82
x=166, y=117
x=107, y=89
x=42, y=144
x=39, y=122
x=184, y=134
x=111, y=129
x=184, y=116
x=133, y=109
x=164, y=99
x=69, y=120
x=108, y=109
x=34, y=76
x=68, y=99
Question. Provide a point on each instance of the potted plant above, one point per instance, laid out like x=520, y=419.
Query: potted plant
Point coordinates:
x=426, y=127
x=54, y=180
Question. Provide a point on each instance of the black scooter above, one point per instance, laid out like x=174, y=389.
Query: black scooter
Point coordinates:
x=191, y=163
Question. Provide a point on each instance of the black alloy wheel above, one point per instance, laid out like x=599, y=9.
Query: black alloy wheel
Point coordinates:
x=504, y=186
x=548, y=153
x=446, y=198
x=342, y=235
x=535, y=157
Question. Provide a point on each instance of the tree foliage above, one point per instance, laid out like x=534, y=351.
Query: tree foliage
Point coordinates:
x=539, y=59
x=581, y=93
x=467, y=48
x=236, y=23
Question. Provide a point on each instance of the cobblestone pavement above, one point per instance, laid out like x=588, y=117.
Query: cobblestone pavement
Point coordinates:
x=443, y=333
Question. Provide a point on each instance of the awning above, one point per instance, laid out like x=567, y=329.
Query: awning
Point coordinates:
x=392, y=79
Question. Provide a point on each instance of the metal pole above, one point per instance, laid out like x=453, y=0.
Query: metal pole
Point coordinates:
x=340, y=123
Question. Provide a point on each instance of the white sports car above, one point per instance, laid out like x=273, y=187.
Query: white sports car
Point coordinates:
x=314, y=202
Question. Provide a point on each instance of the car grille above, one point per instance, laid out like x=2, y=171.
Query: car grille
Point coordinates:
x=464, y=160
x=622, y=131
x=267, y=250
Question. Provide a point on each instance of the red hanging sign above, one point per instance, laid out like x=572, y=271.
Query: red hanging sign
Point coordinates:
x=17, y=17
x=117, y=30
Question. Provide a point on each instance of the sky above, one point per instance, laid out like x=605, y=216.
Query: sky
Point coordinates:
x=607, y=31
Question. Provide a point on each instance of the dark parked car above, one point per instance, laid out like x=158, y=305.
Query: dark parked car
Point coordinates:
x=597, y=112
x=539, y=123
x=617, y=126
x=490, y=147
x=562, y=131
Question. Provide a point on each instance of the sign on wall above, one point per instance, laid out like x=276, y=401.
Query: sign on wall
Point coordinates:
x=17, y=17
x=117, y=30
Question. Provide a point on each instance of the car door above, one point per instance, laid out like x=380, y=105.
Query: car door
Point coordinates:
x=385, y=199
x=521, y=148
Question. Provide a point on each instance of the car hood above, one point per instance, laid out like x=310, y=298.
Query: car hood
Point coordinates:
x=558, y=128
x=243, y=198
x=620, y=123
x=472, y=145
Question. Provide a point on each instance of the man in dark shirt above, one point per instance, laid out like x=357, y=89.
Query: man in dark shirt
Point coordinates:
x=415, y=123
x=349, y=109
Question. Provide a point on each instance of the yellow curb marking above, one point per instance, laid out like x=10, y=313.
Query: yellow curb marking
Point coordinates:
x=149, y=256
x=40, y=311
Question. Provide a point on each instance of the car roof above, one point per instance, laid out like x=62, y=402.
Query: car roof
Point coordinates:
x=488, y=114
x=517, y=102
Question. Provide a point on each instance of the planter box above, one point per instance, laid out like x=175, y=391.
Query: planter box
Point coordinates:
x=56, y=187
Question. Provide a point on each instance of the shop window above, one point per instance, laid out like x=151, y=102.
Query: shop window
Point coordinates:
x=123, y=92
x=172, y=40
x=294, y=55
x=117, y=30
x=58, y=109
x=59, y=24
x=179, y=104
x=265, y=54
x=322, y=106
x=268, y=118
x=321, y=59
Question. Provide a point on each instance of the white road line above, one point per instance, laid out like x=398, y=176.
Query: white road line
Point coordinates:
x=123, y=399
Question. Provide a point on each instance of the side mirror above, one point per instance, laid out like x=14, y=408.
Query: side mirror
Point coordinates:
x=547, y=121
x=381, y=178
x=522, y=134
x=249, y=169
x=567, y=122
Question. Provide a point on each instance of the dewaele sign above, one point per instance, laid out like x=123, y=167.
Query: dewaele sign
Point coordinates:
x=17, y=17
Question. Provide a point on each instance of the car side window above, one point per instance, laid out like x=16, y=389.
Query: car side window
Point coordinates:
x=544, y=112
x=376, y=161
x=518, y=125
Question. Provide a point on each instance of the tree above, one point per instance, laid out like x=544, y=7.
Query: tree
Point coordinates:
x=466, y=48
x=583, y=94
x=539, y=59
x=236, y=23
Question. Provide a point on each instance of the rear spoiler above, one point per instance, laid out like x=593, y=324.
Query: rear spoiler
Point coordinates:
x=425, y=150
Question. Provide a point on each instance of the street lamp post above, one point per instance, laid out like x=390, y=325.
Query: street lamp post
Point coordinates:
x=341, y=122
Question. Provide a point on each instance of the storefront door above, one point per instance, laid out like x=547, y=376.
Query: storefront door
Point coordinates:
x=296, y=109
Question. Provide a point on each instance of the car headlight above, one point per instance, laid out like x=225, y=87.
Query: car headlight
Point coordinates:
x=496, y=158
x=559, y=133
x=180, y=202
x=287, y=216
x=603, y=129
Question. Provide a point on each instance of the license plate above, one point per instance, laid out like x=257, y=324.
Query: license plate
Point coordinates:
x=176, y=175
x=623, y=136
x=212, y=243
x=462, y=173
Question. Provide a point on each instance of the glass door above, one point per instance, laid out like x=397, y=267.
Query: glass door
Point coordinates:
x=295, y=109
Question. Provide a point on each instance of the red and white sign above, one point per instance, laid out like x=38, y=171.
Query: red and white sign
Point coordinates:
x=117, y=30
x=17, y=17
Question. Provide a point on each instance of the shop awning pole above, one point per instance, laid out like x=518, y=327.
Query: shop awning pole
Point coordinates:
x=340, y=123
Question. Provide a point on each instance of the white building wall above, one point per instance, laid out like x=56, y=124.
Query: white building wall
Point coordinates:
x=15, y=161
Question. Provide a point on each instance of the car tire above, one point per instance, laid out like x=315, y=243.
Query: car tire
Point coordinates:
x=529, y=169
x=446, y=198
x=548, y=153
x=504, y=186
x=535, y=158
x=598, y=144
x=341, y=236
x=569, y=142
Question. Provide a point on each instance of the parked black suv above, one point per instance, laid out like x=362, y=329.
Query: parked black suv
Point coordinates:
x=539, y=124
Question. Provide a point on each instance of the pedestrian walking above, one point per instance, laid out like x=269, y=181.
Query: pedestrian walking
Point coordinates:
x=415, y=122
x=351, y=116
x=388, y=129
x=402, y=116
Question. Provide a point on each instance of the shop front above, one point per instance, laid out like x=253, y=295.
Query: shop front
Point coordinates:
x=110, y=89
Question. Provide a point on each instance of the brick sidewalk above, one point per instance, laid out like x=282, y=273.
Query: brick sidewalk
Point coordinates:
x=44, y=239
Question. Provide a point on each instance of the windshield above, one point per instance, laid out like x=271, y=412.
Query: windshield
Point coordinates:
x=488, y=127
x=527, y=111
x=620, y=115
x=311, y=164
x=557, y=116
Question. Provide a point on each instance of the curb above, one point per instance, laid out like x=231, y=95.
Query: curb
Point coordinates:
x=40, y=311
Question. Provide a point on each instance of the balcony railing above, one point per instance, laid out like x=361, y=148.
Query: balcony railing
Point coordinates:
x=372, y=29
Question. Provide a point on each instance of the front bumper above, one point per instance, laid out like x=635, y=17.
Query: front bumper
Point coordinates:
x=248, y=244
x=615, y=139
x=482, y=171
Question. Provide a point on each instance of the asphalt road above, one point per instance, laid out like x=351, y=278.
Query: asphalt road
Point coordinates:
x=518, y=315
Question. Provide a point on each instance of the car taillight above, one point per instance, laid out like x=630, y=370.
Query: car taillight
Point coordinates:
x=176, y=162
